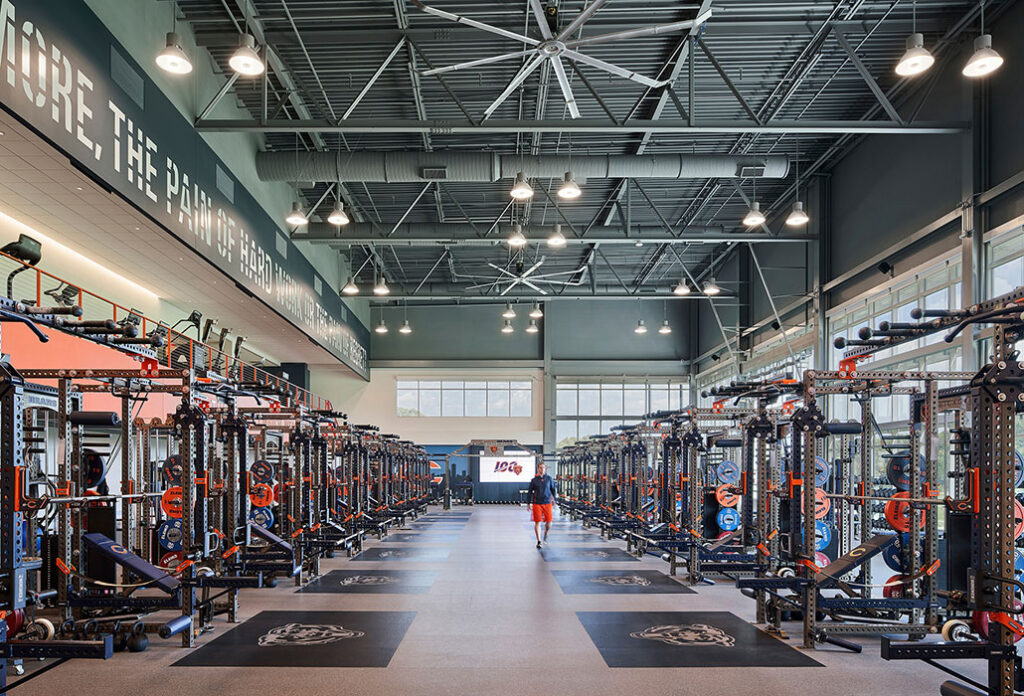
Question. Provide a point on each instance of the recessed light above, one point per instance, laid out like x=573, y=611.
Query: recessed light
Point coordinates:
x=78, y=188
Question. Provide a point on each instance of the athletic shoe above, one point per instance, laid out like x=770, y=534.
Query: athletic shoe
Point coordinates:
x=538, y=544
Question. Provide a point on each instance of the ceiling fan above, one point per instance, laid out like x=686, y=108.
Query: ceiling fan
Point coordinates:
x=527, y=277
x=553, y=47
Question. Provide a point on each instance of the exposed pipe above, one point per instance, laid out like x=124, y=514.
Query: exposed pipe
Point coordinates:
x=447, y=165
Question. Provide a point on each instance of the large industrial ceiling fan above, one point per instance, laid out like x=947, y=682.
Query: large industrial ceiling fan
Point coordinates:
x=506, y=279
x=553, y=48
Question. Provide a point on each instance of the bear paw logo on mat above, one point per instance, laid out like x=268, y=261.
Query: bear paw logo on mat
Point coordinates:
x=597, y=554
x=687, y=634
x=307, y=634
x=391, y=553
x=367, y=580
x=619, y=580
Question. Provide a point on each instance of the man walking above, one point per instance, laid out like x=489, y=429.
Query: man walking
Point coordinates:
x=541, y=495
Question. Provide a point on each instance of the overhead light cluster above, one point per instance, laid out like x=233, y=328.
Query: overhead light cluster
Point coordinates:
x=917, y=59
x=405, y=329
x=509, y=313
x=569, y=189
x=709, y=288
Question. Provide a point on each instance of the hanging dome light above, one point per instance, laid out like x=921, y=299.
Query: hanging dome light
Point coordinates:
x=641, y=327
x=556, y=239
x=173, y=58
x=350, y=287
x=338, y=216
x=296, y=216
x=754, y=216
x=507, y=327
x=569, y=189
x=405, y=328
x=381, y=288
x=985, y=59
x=798, y=216
x=916, y=59
x=681, y=288
x=382, y=328
x=245, y=60
x=665, y=328
x=532, y=328
x=536, y=312
x=517, y=239
x=521, y=190
x=711, y=287
x=509, y=313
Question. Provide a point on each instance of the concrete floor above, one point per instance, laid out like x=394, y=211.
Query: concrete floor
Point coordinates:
x=494, y=622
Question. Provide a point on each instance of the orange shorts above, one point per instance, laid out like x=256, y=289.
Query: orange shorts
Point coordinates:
x=542, y=513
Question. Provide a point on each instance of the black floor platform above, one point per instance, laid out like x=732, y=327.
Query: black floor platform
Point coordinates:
x=306, y=639
x=559, y=536
x=574, y=554
x=686, y=639
x=618, y=582
x=403, y=554
x=428, y=536
x=373, y=582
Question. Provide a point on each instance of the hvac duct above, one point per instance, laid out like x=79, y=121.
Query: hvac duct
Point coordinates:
x=404, y=167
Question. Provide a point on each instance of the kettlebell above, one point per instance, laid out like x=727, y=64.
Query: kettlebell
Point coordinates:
x=139, y=641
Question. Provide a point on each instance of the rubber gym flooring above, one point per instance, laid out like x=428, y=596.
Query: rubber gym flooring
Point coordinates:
x=491, y=615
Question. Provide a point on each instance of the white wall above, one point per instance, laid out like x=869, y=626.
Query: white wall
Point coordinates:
x=373, y=402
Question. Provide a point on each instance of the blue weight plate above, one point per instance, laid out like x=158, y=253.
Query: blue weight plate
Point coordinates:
x=898, y=470
x=822, y=470
x=728, y=519
x=822, y=535
x=728, y=472
x=262, y=517
x=893, y=554
x=169, y=535
x=262, y=471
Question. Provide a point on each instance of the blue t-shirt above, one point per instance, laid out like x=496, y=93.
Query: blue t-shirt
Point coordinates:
x=541, y=491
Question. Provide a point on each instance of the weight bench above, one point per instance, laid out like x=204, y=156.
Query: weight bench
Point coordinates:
x=135, y=564
x=271, y=538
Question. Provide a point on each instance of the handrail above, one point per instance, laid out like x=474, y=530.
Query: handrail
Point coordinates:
x=179, y=351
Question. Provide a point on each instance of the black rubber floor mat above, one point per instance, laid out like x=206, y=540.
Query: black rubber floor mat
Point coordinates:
x=618, y=582
x=373, y=582
x=570, y=554
x=427, y=537
x=686, y=639
x=403, y=554
x=307, y=639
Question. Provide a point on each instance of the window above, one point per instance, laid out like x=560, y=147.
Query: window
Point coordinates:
x=463, y=399
x=587, y=408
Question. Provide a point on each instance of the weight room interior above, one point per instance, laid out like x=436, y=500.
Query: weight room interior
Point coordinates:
x=338, y=276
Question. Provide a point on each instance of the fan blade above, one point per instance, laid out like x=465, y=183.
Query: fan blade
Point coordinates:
x=474, y=63
x=531, y=285
x=524, y=73
x=499, y=269
x=581, y=19
x=542, y=21
x=642, y=31
x=532, y=268
x=613, y=69
x=510, y=286
x=459, y=19
x=563, y=82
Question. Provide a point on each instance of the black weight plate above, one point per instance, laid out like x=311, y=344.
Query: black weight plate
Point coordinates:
x=898, y=470
x=262, y=471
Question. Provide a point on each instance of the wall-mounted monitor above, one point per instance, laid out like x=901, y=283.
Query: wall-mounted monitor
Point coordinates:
x=512, y=467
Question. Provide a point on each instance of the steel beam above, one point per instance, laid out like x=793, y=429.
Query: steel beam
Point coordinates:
x=451, y=295
x=452, y=127
x=332, y=238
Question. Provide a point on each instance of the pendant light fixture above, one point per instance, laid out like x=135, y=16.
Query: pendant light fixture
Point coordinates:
x=556, y=239
x=516, y=240
x=797, y=216
x=916, y=58
x=381, y=328
x=985, y=59
x=532, y=328
x=381, y=286
x=641, y=327
x=405, y=329
x=296, y=217
x=245, y=60
x=665, y=329
x=711, y=287
x=754, y=216
x=521, y=189
x=509, y=313
x=536, y=312
x=507, y=327
x=569, y=188
x=681, y=288
x=338, y=216
x=350, y=287
x=173, y=58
